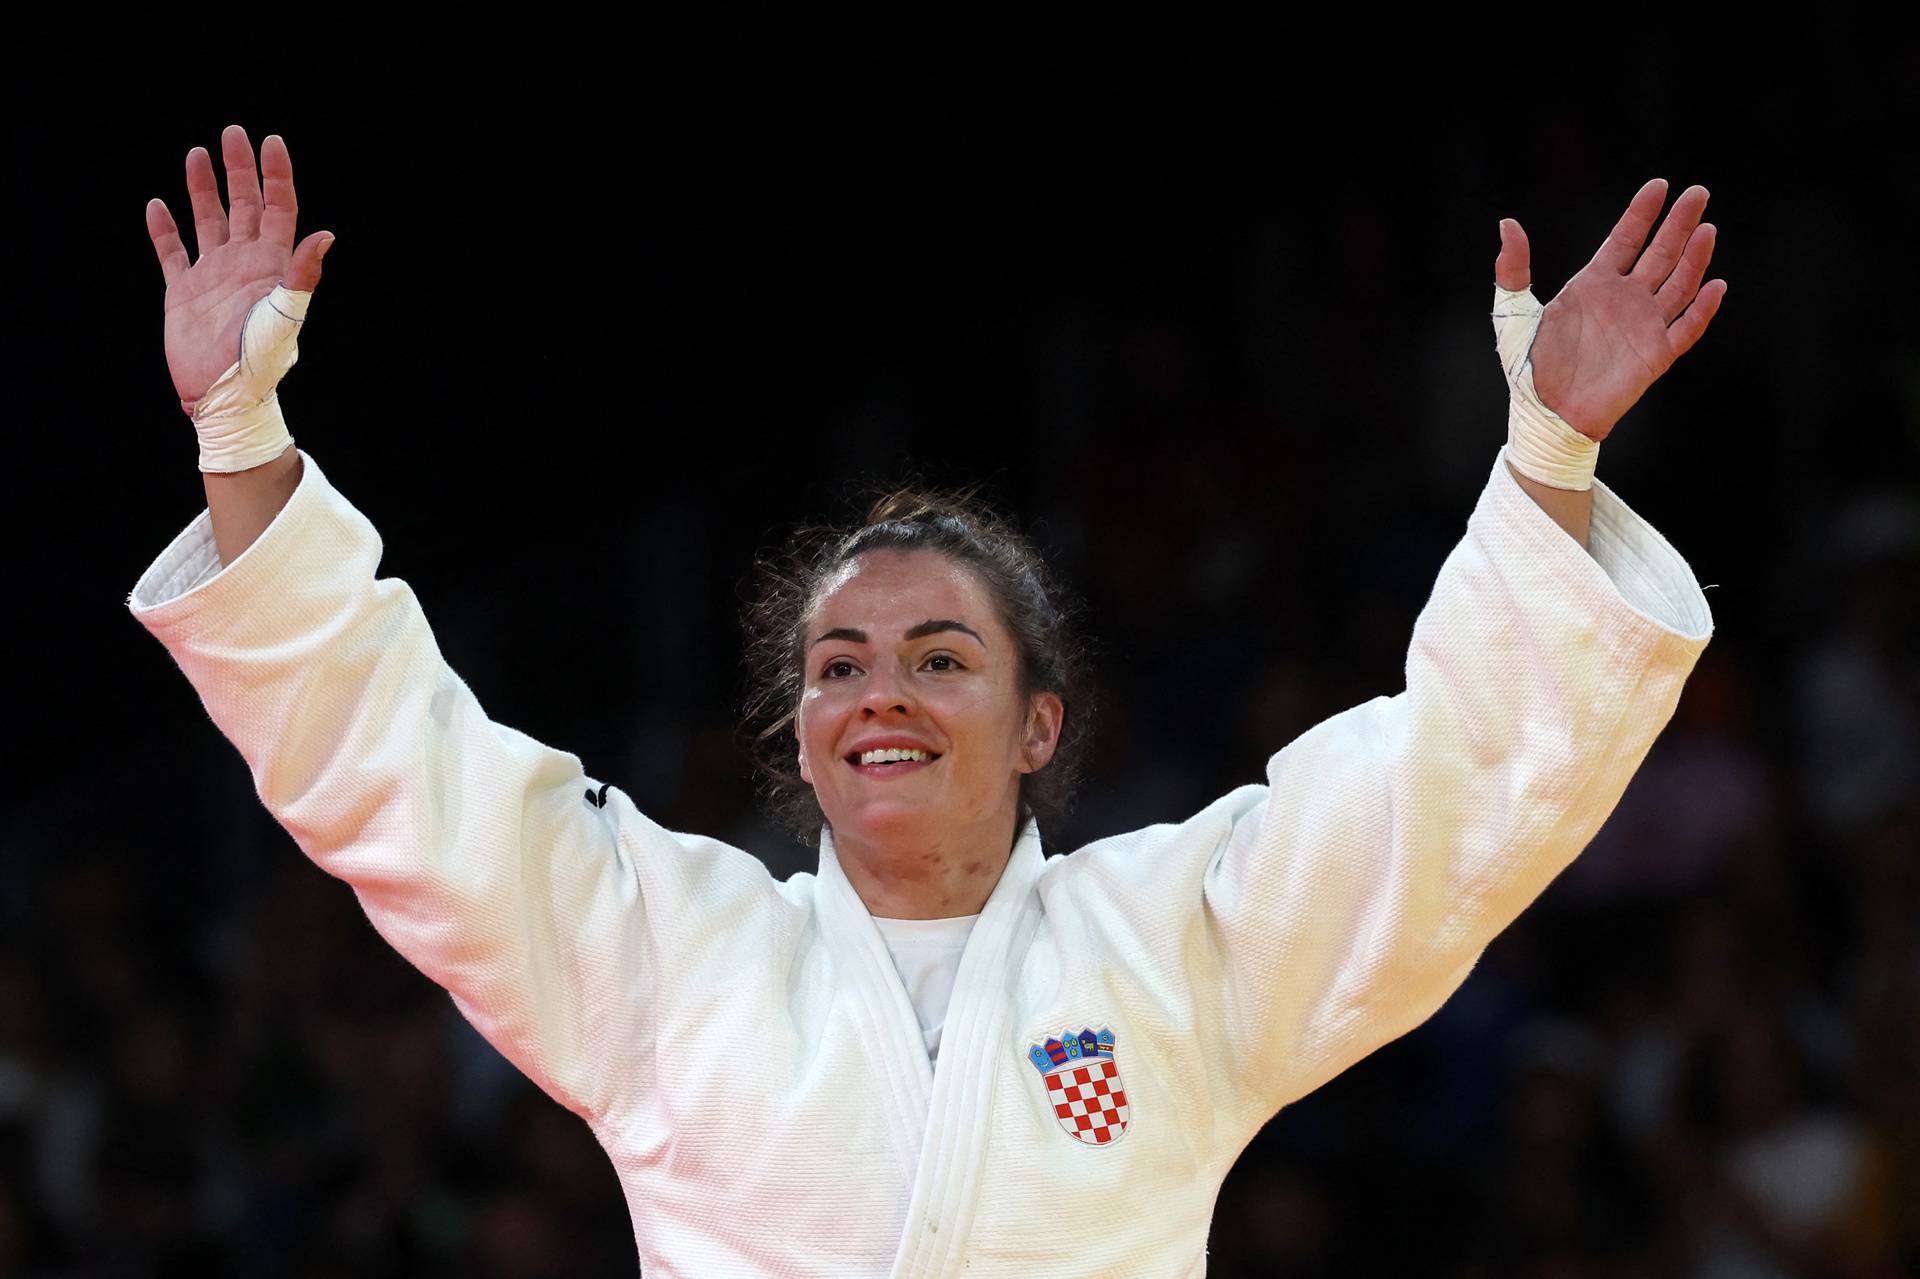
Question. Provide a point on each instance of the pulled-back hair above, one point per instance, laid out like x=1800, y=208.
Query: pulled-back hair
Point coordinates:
x=1033, y=607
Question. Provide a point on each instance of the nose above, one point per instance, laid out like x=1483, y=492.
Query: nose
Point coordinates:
x=886, y=691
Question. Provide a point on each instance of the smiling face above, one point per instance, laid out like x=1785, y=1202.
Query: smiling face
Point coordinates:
x=906, y=646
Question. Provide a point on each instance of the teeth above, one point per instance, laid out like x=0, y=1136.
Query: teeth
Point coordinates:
x=891, y=755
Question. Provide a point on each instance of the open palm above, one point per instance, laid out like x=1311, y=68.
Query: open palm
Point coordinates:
x=1626, y=317
x=244, y=253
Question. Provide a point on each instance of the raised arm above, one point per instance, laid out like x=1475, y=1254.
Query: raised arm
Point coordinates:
x=1335, y=907
x=472, y=847
x=1397, y=839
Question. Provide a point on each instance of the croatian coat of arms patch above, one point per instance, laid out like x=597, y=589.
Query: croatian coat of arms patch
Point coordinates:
x=1084, y=1088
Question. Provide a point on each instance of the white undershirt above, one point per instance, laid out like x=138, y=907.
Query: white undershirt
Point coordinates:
x=926, y=953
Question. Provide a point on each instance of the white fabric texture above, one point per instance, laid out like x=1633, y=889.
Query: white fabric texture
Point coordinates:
x=1541, y=444
x=239, y=420
x=926, y=954
x=744, y=1049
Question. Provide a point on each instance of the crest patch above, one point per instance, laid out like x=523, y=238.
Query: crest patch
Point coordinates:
x=1084, y=1088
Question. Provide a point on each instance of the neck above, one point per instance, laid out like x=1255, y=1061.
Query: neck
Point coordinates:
x=935, y=875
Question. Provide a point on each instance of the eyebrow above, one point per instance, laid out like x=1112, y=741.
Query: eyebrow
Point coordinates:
x=929, y=627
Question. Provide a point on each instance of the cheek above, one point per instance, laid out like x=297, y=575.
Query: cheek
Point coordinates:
x=990, y=733
x=814, y=726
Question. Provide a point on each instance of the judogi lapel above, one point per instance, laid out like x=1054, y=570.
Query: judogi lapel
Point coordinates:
x=946, y=1113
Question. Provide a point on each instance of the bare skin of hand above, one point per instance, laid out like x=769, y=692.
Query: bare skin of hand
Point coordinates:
x=1626, y=317
x=245, y=250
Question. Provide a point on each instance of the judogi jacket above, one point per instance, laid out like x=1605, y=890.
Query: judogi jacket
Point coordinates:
x=1125, y=1017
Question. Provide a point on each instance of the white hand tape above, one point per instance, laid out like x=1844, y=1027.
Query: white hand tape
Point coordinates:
x=239, y=417
x=1541, y=444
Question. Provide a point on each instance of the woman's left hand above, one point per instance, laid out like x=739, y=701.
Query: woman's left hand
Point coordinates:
x=1627, y=316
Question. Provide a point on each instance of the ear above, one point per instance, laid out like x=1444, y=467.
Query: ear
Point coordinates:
x=1044, y=718
x=806, y=773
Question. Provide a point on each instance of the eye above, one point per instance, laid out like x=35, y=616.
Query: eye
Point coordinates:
x=834, y=665
x=953, y=663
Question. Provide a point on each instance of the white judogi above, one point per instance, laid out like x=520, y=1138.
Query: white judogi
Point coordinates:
x=745, y=1050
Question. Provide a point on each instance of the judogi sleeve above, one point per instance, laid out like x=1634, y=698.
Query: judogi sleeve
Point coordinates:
x=1341, y=903
x=1329, y=911
x=471, y=846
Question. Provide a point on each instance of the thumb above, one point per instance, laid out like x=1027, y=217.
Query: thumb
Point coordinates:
x=1513, y=269
x=305, y=271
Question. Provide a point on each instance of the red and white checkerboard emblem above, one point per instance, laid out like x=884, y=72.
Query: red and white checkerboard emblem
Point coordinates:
x=1084, y=1088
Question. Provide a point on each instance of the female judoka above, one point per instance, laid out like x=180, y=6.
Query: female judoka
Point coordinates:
x=950, y=1050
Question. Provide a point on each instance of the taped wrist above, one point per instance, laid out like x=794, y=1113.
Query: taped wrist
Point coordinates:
x=1541, y=444
x=238, y=419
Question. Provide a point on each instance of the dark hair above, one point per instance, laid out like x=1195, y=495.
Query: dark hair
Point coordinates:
x=1031, y=605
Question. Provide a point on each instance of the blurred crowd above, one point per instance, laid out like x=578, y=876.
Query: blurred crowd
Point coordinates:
x=1697, y=1055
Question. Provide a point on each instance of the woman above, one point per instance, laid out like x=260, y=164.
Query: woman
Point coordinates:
x=777, y=1069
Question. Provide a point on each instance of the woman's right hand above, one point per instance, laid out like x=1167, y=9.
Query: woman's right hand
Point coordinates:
x=243, y=255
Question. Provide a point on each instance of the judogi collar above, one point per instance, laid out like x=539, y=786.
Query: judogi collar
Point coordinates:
x=941, y=1105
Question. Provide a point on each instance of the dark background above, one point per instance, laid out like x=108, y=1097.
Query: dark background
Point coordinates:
x=592, y=334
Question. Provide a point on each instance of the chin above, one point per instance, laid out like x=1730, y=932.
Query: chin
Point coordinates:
x=888, y=817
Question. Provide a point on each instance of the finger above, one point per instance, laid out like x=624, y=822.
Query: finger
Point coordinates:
x=282, y=209
x=1513, y=269
x=1680, y=287
x=203, y=191
x=1630, y=232
x=1657, y=262
x=304, y=272
x=243, y=184
x=1686, y=330
x=166, y=240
